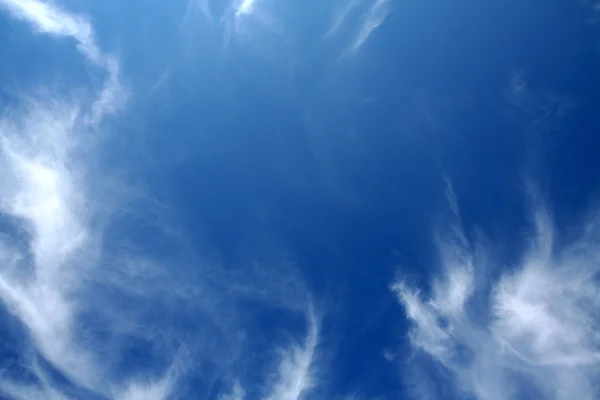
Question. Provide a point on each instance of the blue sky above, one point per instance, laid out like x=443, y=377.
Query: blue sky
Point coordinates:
x=277, y=200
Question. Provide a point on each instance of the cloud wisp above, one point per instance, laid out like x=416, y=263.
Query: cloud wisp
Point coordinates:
x=296, y=375
x=340, y=15
x=50, y=246
x=528, y=331
x=86, y=296
x=48, y=19
x=373, y=18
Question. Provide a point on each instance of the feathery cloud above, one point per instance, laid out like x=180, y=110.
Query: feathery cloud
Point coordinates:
x=374, y=17
x=340, y=16
x=295, y=374
x=44, y=191
x=531, y=332
x=47, y=18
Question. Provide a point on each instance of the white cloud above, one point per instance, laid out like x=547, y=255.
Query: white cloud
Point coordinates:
x=537, y=334
x=340, y=15
x=294, y=376
x=147, y=390
x=47, y=18
x=245, y=7
x=252, y=24
x=39, y=190
x=44, y=190
x=67, y=276
x=374, y=17
x=296, y=371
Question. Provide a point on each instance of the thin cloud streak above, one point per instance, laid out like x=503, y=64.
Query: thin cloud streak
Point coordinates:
x=340, y=16
x=49, y=19
x=374, y=18
x=530, y=333
x=296, y=374
x=42, y=189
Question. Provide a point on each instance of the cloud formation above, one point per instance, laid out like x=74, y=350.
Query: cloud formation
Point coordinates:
x=375, y=16
x=48, y=19
x=295, y=373
x=340, y=15
x=294, y=376
x=50, y=246
x=509, y=332
x=250, y=21
x=86, y=295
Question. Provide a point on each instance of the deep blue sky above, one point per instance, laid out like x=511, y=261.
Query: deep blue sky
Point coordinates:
x=284, y=158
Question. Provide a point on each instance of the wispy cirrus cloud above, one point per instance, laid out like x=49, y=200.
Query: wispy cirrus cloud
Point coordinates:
x=340, y=15
x=373, y=18
x=296, y=375
x=53, y=248
x=85, y=293
x=47, y=18
x=528, y=331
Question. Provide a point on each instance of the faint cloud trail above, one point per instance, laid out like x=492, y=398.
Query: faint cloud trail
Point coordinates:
x=340, y=17
x=42, y=189
x=374, y=18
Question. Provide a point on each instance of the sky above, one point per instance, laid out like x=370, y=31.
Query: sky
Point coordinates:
x=299, y=200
